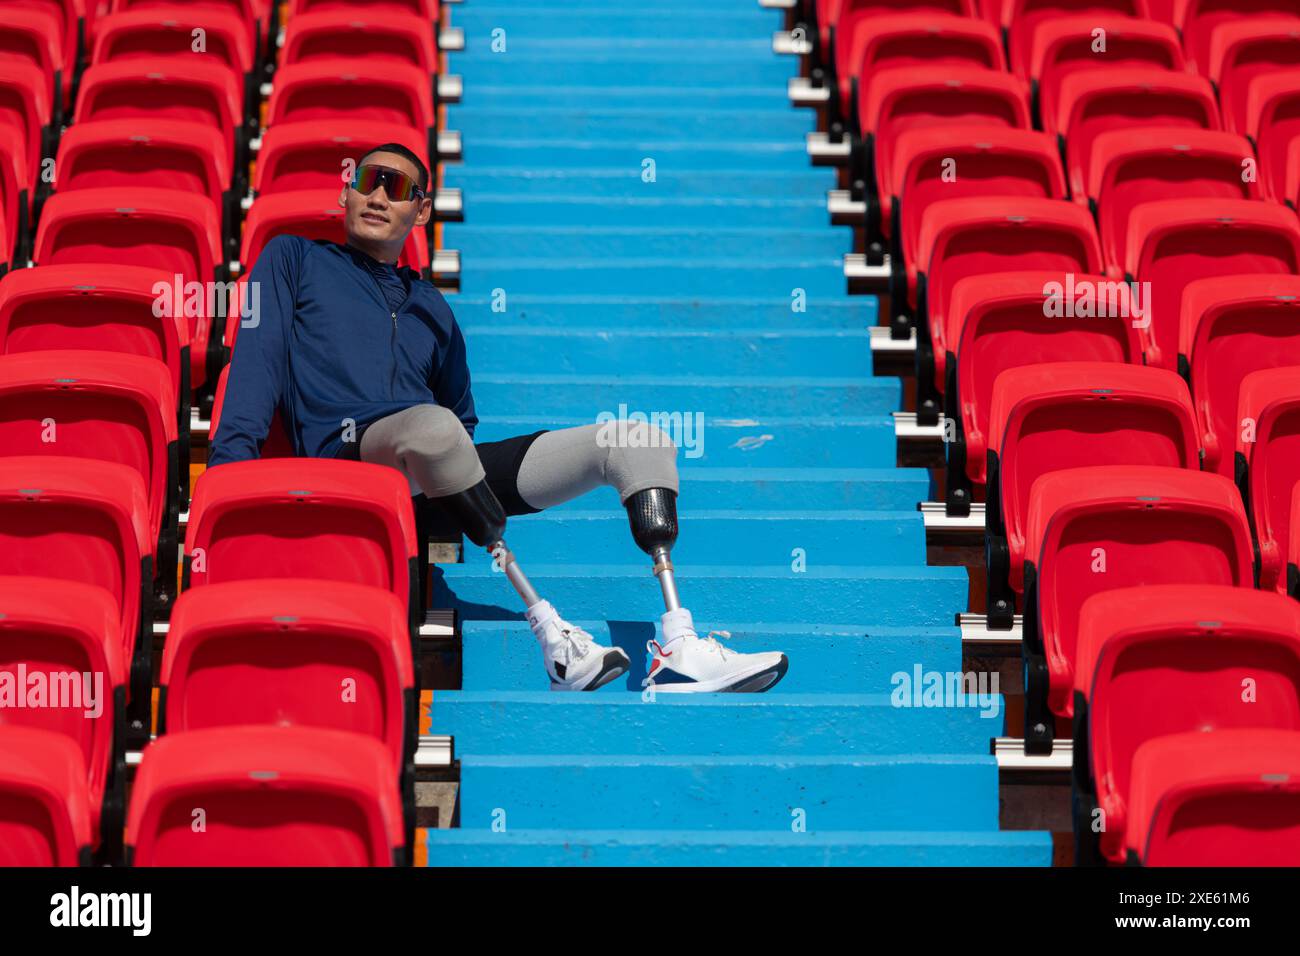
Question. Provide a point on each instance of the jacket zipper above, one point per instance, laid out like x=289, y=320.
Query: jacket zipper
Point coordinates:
x=392, y=375
x=392, y=378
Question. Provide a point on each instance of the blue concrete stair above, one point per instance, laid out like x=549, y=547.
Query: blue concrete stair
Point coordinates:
x=643, y=233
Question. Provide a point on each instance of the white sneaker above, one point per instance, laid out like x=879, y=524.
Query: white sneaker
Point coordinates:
x=686, y=663
x=573, y=659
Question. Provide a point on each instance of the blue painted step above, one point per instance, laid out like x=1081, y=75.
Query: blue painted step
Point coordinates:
x=817, y=275
x=585, y=8
x=870, y=489
x=640, y=211
x=557, y=20
x=914, y=791
x=574, y=45
x=662, y=97
x=735, y=848
x=817, y=353
x=611, y=243
x=824, y=658
x=773, y=157
x=865, y=442
x=664, y=312
x=741, y=536
x=824, y=594
x=539, y=122
x=627, y=182
x=573, y=394
x=541, y=722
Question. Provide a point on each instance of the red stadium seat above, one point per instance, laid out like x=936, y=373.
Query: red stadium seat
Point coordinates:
x=1273, y=122
x=1021, y=17
x=963, y=162
x=278, y=651
x=1169, y=659
x=277, y=444
x=1241, y=50
x=45, y=810
x=88, y=523
x=68, y=632
x=1045, y=418
x=383, y=34
x=17, y=187
x=1230, y=327
x=832, y=12
x=1198, y=19
x=1132, y=166
x=1060, y=46
x=1095, y=529
x=252, y=13
x=272, y=796
x=109, y=308
x=161, y=229
x=105, y=407
x=427, y=10
x=300, y=156
x=1005, y=320
x=1268, y=463
x=167, y=30
x=145, y=88
x=1230, y=798
x=866, y=42
x=1293, y=547
x=71, y=15
x=1092, y=102
x=1290, y=183
x=1171, y=242
x=327, y=519
x=25, y=107
x=907, y=98
x=298, y=652
x=342, y=89
x=313, y=214
x=1092, y=530
x=169, y=154
x=969, y=237
x=31, y=38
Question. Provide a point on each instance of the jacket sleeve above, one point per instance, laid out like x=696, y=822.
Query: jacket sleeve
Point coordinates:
x=450, y=383
x=258, y=367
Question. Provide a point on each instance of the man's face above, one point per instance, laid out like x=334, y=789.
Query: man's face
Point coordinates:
x=374, y=223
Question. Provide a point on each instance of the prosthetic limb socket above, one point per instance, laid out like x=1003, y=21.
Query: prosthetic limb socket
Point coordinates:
x=653, y=515
x=483, y=520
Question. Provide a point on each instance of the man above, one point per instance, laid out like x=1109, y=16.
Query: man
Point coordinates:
x=365, y=361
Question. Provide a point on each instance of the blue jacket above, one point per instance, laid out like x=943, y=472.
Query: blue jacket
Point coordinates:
x=326, y=349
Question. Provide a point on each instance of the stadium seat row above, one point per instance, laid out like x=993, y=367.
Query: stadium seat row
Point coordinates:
x=1093, y=249
x=287, y=709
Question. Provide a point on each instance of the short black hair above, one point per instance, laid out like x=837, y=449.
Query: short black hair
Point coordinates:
x=405, y=153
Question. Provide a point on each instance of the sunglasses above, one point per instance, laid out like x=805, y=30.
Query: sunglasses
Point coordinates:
x=398, y=186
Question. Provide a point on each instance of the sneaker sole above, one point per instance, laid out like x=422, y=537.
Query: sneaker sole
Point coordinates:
x=613, y=666
x=753, y=683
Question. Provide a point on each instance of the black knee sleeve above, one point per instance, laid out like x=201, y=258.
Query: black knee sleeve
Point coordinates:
x=478, y=512
x=653, y=514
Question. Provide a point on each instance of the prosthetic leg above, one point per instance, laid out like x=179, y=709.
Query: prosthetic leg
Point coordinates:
x=653, y=515
x=684, y=663
x=573, y=660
